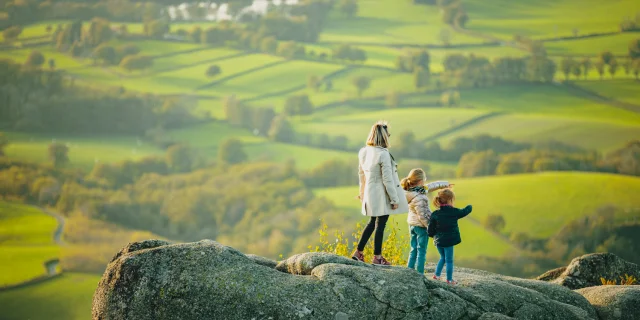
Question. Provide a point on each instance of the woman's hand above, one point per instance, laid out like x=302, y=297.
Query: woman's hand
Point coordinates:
x=394, y=206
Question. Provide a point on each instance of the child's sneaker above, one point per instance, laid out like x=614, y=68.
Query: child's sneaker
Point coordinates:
x=452, y=282
x=435, y=278
x=358, y=256
x=380, y=261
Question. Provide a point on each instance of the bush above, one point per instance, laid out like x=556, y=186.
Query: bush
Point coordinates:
x=35, y=59
x=213, y=71
x=136, y=62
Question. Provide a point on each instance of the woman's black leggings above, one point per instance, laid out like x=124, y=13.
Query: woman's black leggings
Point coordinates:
x=377, y=223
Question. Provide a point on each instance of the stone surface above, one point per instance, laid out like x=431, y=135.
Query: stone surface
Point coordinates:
x=614, y=302
x=207, y=280
x=586, y=271
x=262, y=261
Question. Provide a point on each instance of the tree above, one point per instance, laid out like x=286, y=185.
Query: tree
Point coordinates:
x=328, y=86
x=231, y=151
x=586, y=65
x=361, y=83
x=313, y=82
x=58, y=153
x=35, y=59
x=4, y=142
x=634, y=49
x=11, y=33
x=473, y=164
x=127, y=50
x=49, y=28
x=180, y=158
x=281, y=130
x=105, y=53
x=52, y=64
x=290, y=50
x=636, y=68
x=494, y=222
x=606, y=57
x=213, y=71
x=599, y=65
x=421, y=78
x=348, y=7
x=393, y=99
x=566, y=65
x=156, y=28
x=627, y=65
x=136, y=62
x=269, y=45
x=196, y=34
x=461, y=18
x=298, y=105
x=576, y=70
x=613, y=67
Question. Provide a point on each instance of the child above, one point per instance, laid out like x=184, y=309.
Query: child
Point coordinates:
x=419, y=214
x=443, y=227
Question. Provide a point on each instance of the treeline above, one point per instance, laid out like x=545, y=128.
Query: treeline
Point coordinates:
x=453, y=12
x=606, y=62
x=477, y=71
x=37, y=100
x=607, y=230
x=268, y=209
x=625, y=160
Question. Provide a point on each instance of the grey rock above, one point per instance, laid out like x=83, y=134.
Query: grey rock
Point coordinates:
x=586, y=271
x=614, y=302
x=494, y=316
x=207, y=280
x=262, y=261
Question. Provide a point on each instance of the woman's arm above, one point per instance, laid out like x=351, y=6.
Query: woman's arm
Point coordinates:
x=387, y=177
x=363, y=181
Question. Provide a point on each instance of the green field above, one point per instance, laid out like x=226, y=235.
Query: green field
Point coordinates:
x=26, y=242
x=84, y=152
x=547, y=18
x=67, y=297
x=623, y=90
x=536, y=204
x=618, y=44
x=476, y=240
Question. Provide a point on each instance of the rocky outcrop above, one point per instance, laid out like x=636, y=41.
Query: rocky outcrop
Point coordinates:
x=586, y=271
x=614, y=302
x=207, y=280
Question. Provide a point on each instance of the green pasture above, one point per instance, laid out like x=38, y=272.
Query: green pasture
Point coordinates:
x=423, y=122
x=390, y=21
x=38, y=29
x=476, y=241
x=197, y=57
x=547, y=18
x=622, y=90
x=26, y=242
x=67, y=297
x=589, y=134
x=274, y=79
x=548, y=100
x=84, y=151
x=618, y=44
x=62, y=61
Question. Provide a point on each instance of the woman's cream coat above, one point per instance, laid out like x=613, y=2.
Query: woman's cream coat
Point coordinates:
x=379, y=183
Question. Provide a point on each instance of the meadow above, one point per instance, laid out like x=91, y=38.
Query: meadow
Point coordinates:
x=26, y=242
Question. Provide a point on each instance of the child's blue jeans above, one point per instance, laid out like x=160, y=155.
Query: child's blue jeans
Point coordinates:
x=446, y=256
x=419, y=241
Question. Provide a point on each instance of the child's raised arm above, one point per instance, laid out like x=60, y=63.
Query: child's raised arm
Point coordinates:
x=437, y=185
x=464, y=212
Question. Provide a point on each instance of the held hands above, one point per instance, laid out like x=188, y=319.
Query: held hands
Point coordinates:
x=394, y=206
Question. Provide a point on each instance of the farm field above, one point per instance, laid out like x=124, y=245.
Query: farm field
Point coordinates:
x=536, y=211
x=84, y=152
x=546, y=18
x=623, y=90
x=26, y=242
x=67, y=297
x=618, y=44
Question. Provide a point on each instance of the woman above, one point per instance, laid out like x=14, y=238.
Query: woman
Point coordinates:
x=380, y=191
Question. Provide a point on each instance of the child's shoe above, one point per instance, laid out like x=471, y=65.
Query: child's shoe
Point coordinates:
x=380, y=261
x=358, y=256
x=435, y=278
x=452, y=282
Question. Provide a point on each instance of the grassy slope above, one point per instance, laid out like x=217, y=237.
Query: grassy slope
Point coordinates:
x=476, y=240
x=618, y=44
x=390, y=21
x=26, y=241
x=547, y=18
x=537, y=204
x=68, y=297
x=623, y=90
x=83, y=151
